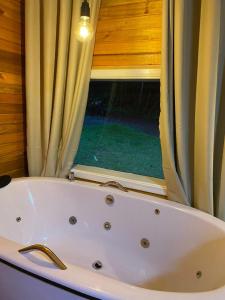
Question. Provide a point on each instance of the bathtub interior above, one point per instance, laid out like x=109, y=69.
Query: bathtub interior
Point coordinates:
x=183, y=252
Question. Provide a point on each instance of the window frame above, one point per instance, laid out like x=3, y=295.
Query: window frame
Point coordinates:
x=132, y=181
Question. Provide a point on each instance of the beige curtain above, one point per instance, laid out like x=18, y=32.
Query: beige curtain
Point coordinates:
x=58, y=70
x=192, y=121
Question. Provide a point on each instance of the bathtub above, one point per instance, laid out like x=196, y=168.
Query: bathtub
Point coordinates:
x=115, y=245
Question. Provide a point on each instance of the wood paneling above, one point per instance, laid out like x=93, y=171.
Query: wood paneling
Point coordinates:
x=128, y=34
x=12, y=97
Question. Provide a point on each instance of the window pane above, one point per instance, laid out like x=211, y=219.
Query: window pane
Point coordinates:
x=121, y=127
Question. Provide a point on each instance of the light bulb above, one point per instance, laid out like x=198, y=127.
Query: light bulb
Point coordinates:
x=84, y=29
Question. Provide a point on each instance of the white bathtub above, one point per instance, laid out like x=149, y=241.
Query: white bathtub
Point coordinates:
x=185, y=258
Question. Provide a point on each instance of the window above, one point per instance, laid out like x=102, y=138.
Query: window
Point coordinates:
x=121, y=127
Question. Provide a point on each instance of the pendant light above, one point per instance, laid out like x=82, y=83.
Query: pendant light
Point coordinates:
x=84, y=30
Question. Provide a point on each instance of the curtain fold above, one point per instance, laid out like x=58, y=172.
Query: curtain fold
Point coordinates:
x=192, y=103
x=58, y=69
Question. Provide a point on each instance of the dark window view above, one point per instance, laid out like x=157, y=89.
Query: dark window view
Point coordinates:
x=121, y=127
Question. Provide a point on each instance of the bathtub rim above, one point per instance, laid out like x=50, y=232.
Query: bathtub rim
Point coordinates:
x=154, y=198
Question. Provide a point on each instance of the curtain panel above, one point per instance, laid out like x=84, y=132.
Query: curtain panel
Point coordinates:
x=58, y=69
x=192, y=121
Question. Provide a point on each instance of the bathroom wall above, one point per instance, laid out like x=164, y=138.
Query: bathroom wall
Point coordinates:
x=128, y=34
x=12, y=97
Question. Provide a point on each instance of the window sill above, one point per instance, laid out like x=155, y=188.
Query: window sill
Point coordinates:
x=125, y=74
x=131, y=181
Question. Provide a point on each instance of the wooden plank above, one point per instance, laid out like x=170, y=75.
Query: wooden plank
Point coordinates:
x=107, y=3
x=11, y=128
x=130, y=9
x=9, y=46
x=11, y=36
x=149, y=34
x=14, y=173
x=10, y=9
x=12, y=138
x=10, y=62
x=12, y=148
x=144, y=47
x=9, y=23
x=138, y=23
x=11, y=98
x=11, y=157
x=6, y=88
x=11, y=4
x=127, y=60
x=15, y=163
x=13, y=118
x=10, y=78
x=11, y=108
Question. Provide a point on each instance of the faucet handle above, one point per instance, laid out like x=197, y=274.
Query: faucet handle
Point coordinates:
x=115, y=184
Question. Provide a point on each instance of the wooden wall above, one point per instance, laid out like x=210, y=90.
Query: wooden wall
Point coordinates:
x=128, y=34
x=12, y=99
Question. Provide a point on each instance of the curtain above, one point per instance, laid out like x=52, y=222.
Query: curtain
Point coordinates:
x=58, y=69
x=192, y=120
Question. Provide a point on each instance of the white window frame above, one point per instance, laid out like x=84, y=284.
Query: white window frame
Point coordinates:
x=132, y=181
